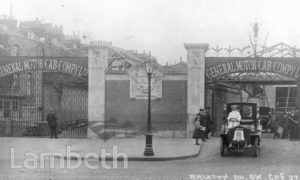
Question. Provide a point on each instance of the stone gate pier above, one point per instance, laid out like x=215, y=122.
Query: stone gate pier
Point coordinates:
x=195, y=81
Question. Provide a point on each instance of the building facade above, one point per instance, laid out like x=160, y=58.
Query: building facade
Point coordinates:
x=98, y=88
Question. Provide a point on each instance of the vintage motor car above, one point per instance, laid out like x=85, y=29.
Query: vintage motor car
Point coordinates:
x=246, y=134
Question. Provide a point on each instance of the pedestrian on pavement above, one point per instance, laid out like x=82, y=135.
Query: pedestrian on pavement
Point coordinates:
x=294, y=125
x=280, y=127
x=284, y=125
x=52, y=122
x=272, y=119
x=200, y=129
x=286, y=131
x=275, y=127
x=208, y=123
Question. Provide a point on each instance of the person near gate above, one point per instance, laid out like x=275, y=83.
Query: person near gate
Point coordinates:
x=52, y=122
x=208, y=122
x=280, y=124
x=200, y=126
x=294, y=125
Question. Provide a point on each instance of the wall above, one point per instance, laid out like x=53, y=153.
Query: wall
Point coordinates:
x=298, y=94
x=168, y=114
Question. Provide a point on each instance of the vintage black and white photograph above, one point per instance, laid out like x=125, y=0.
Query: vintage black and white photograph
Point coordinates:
x=149, y=90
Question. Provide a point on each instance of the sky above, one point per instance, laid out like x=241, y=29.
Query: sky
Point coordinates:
x=163, y=26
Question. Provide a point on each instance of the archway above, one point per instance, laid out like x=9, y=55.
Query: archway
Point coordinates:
x=32, y=86
x=266, y=81
x=219, y=72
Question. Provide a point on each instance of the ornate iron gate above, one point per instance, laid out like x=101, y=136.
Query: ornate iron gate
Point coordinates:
x=30, y=88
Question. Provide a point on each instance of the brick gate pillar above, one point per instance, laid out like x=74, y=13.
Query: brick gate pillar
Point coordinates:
x=97, y=62
x=196, y=82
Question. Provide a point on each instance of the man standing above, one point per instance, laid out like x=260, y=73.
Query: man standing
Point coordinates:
x=201, y=122
x=52, y=122
x=294, y=125
x=208, y=123
x=280, y=131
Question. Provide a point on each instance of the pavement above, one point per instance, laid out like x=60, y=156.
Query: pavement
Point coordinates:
x=277, y=158
x=113, y=149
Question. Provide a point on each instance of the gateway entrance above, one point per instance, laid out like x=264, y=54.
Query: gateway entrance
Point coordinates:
x=217, y=76
x=30, y=87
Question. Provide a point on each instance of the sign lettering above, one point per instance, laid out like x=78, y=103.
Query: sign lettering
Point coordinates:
x=43, y=64
x=252, y=66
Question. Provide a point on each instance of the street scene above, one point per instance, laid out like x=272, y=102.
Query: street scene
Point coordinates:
x=141, y=89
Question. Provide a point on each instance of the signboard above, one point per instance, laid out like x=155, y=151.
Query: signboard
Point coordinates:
x=139, y=84
x=120, y=65
x=46, y=64
x=287, y=68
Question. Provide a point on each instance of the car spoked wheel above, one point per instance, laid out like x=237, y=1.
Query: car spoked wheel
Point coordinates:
x=255, y=147
x=222, y=146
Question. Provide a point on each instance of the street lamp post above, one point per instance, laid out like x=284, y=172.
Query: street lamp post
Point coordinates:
x=42, y=41
x=148, y=149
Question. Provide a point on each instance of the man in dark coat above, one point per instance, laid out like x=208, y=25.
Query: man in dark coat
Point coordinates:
x=294, y=125
x=208, y=122
x=281, y=125
x=200, y=132
x=52, y=122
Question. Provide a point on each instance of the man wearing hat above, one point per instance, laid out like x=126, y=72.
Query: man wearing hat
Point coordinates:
x=294, y=125
x=209, y=122
x=200, y=126
x=52, y=122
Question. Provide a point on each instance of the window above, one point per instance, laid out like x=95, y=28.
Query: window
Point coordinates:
x=286, y=98
x=15, y=105
x=28, y=83
x=14, y=83
x=247, y=111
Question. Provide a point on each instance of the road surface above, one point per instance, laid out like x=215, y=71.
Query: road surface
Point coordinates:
x=277, y=159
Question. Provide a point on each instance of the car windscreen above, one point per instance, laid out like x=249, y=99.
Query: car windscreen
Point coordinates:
x=247, y=112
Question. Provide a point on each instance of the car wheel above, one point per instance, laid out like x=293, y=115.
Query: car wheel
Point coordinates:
x=222, y=147
x=255, y=147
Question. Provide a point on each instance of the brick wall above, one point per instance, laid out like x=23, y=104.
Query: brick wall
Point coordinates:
x=298, y=95
x=168, y=114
